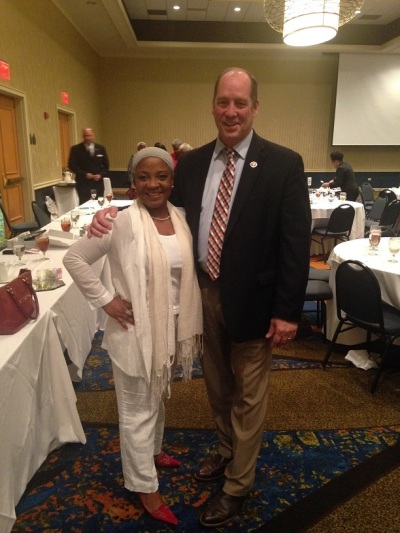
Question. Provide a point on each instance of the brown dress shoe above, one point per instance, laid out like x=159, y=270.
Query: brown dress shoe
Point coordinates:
x=212, y=468
x=221, y=509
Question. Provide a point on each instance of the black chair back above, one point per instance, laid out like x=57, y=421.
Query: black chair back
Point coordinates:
x=358, y=295
x=387, y=193
x=377, y=208
x=41, y=216
x=390, y=214
x=341, y=220
x=367, y=192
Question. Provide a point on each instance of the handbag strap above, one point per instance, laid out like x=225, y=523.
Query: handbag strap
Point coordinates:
x=35, y=312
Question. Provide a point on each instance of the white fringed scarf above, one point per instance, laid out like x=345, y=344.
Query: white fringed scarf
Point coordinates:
x=185, y=342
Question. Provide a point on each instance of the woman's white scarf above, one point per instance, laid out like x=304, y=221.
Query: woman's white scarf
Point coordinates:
x=186, y=345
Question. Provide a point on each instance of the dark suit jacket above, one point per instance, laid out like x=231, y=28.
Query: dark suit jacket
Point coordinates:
x=346, y=180
x=81, y=162
x=266, y=253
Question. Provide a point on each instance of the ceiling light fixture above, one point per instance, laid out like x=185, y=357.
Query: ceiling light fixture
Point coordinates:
x=177, y=8
x=237, y=9
x=309, y=22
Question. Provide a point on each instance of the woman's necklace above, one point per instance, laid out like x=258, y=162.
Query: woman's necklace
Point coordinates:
x=161, y=219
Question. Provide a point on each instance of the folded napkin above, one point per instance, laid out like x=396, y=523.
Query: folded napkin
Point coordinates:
x=362, y=359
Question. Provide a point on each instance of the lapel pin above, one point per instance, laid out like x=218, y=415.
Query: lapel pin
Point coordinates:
x=253, y=164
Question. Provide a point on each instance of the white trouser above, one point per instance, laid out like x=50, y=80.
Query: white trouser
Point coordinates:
x=141, y=428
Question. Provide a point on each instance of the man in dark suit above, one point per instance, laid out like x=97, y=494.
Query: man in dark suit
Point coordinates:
x=89, y=162
x=256, y=300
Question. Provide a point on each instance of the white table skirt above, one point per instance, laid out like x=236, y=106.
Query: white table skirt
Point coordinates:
x=387, y=273
x=37, y=408
x=321, y=211
x=66, y=198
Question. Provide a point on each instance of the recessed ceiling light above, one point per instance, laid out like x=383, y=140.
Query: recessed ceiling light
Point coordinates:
x=237, y=9
x=176, y=8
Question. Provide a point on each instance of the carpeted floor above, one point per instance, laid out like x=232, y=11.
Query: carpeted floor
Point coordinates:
x=330, y=459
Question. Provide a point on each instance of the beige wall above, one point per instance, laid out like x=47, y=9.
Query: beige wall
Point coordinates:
x=129, y=100
x=46, y=56
x=157, y=100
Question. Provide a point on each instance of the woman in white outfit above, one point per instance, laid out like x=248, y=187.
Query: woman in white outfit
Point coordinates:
x=155, y=316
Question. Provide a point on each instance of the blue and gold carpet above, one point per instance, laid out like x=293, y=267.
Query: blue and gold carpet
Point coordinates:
x=308, y=464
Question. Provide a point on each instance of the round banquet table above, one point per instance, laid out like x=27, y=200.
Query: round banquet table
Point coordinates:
x=387, y=273
x=321, y=209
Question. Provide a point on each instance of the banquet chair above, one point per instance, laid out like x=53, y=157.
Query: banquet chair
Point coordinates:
x=319, y=291
x=390, y=195
x=375, y=213
x=391, y=214
x=359, y=304
x=338, y=228
x=320, y=274
x=20, y=227
x=41, y=217
x=367, y=195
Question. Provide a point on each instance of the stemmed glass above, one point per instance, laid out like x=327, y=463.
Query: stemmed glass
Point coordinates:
x=109, y=196
x=19, y=249
x=75, y=217
x=93, y=194
x=100, y=200
x=42, y=242
x=394, y=247
x=374, y=239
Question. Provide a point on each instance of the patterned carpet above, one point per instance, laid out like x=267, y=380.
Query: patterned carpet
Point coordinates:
x=340, y=442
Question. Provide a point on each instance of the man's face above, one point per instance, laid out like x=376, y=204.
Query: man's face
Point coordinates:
x=88, y=136
x=233, y=109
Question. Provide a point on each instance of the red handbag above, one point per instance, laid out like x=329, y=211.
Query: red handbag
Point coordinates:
x=18, y=303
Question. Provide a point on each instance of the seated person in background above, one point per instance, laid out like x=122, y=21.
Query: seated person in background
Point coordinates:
x=176, y=143
x=344, y=177
x=155, y=317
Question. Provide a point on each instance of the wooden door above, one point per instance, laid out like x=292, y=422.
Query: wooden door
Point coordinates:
x=10, y=171
x=65, y=140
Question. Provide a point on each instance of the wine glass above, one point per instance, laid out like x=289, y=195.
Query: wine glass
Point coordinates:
x=374, y=239
x=394, y=247
x=100, y=200
x=109, y=196
x=19, y=249
x=53, y=216
x=93, y=194
x=42, y=242
x=75, y=217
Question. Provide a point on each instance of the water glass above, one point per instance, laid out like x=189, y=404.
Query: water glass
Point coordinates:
x=19, y=249
x=342, y=196
x=394, y=248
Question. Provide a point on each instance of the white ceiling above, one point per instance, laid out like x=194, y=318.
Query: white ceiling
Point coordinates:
x=202, y=27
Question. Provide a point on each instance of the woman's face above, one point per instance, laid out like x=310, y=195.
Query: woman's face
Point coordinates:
x=153, y=180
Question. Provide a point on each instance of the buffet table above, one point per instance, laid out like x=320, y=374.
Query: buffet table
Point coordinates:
x=37, y=400
x=387, y=273
x=321, y=209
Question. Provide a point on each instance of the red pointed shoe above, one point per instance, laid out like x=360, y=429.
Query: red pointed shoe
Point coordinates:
x=164, y=460
x=164, y=514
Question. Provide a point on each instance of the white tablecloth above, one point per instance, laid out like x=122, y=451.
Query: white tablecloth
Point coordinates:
x=37, y=408
x=66, y=197
x=321, y=210
x=387, y=273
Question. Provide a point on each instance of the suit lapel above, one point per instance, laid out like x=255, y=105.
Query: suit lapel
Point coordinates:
x=251, y=169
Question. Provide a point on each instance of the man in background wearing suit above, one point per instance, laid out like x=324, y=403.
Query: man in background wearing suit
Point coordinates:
x=253, y=289
x=89, y=162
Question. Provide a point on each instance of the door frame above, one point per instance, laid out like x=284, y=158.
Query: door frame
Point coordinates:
x=25, y=161
x=71, y=126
